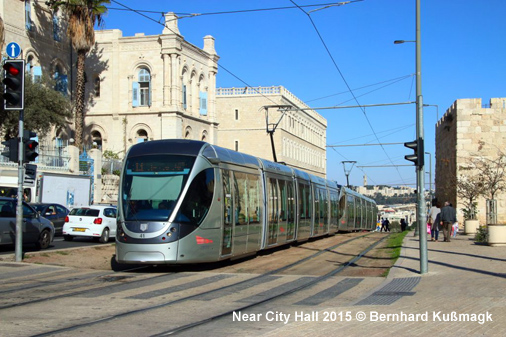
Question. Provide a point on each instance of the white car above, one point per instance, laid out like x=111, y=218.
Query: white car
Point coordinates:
x=97, y=221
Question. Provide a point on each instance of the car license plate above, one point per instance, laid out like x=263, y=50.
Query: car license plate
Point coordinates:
x=79, y=229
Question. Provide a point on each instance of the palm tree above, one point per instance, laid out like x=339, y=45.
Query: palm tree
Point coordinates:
x=1, y=34
x=82, y=15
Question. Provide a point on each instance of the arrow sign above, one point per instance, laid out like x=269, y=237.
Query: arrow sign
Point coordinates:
x=13, y=50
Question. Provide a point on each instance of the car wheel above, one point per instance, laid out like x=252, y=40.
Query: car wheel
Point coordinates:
x=67, y=238
x=105, y=236
x=44, y=240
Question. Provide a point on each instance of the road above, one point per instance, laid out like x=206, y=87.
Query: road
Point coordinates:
x=45, y=300
x=58, y=243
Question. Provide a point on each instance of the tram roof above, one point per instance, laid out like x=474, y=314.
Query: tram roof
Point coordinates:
x=222, y=154
x=167, y=146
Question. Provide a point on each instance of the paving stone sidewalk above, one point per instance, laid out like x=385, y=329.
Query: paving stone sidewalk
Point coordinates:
x=463, y=294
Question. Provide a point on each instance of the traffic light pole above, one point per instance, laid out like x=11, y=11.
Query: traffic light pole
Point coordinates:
x=420, y=169
x=19, y=207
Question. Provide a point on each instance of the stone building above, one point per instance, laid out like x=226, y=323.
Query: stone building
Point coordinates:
x=41, y=34
x=299, y=138
x=144, y=88
x=141, y=88
x=469, y=130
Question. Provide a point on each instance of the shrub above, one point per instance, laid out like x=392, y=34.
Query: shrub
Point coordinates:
x=481, y=234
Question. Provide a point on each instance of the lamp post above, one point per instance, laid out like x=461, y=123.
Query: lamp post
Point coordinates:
x=420, y=170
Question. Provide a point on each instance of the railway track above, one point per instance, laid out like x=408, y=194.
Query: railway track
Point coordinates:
x=185, y=290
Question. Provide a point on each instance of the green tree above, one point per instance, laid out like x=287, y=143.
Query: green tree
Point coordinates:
x=44, y=108
x=82, y=15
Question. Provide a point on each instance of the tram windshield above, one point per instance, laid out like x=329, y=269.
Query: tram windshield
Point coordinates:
x=152, y=185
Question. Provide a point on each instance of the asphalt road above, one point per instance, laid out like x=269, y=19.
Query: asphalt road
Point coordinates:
x=58, y=243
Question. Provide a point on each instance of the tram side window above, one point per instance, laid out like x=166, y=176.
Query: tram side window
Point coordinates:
x=351, y=210
x=283, y=197
x=227, y=197
x=254, y=198
x=302, y=201
x=197, y=200
x=291, y=202
x=309, y=203
x=325, y=206
x=341, y=207
x=333, y=209
x=241, y=198
x=273, y=201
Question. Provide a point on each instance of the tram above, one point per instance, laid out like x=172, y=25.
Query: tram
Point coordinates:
x=184, y=201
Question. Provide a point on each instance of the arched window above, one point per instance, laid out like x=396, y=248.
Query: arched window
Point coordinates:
x=188, y=133
x=34, y=71
x=96, y=138
x=142, y=136
x=141, y=90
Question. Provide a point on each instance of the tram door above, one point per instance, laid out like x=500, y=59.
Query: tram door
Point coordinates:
x=226, y=245
x=273, y=214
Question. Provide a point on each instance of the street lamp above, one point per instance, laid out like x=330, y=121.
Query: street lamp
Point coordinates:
x=437, y=110
x=402, y=41
x=420, y=170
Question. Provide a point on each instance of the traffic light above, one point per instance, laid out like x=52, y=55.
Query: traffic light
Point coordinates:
x=10, y=151
x=14, y=84
x=30, y=146
x=418, y=156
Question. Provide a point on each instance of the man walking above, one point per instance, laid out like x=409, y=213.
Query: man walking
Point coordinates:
x=448, y=216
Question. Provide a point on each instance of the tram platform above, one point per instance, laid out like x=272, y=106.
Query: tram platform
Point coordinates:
x=462, y=294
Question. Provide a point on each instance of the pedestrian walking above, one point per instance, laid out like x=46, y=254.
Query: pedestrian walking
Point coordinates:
x=448, y=217
x=403, y=225
x=387, y=225
x=433, y=221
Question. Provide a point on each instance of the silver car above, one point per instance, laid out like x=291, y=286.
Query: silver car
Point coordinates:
x=36, y=229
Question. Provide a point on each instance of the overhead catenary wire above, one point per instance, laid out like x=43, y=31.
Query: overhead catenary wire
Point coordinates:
x=221, y=66
x=343, y=78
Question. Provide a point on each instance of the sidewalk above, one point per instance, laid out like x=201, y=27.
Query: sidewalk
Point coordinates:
x=465, y=284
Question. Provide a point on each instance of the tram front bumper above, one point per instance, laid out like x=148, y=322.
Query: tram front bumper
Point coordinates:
x=146, y=254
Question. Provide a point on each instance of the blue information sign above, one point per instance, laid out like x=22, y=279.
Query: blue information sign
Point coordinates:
x=13, y=50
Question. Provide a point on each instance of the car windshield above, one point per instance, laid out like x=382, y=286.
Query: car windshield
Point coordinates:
x=85, y=212
x=152, y=185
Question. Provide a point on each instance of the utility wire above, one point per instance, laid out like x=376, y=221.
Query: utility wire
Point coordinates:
x=398, y=79
x=201, y=52
x=244, y=82
x=189, y=15
x=344, y=79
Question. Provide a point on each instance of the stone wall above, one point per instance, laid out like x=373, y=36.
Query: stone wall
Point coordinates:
x=469, y=130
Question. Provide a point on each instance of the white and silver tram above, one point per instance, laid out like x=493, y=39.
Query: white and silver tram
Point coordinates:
x=183, y=201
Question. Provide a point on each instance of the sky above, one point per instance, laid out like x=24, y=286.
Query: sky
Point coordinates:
x=345, y=56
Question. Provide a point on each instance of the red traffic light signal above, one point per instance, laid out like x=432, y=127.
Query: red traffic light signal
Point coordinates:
x=30, y=146
x=14, y=84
